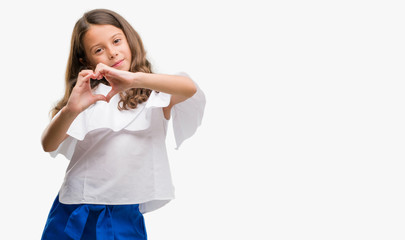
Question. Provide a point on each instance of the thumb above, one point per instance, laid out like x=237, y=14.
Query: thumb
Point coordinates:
x=100, y=97
x=110, y=95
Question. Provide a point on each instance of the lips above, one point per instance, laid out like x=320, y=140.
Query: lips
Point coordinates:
x=118, y=63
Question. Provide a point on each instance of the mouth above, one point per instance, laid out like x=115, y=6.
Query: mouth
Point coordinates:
x=117, y=64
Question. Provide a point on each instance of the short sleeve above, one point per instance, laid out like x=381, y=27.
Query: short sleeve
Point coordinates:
x=187, y=116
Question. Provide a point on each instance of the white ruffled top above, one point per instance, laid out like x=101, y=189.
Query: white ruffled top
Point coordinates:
x=119, y=157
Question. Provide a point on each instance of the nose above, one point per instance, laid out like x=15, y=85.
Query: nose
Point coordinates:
x=112, y=53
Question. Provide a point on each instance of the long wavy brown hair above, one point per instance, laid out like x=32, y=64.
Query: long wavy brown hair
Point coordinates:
x=128, y=99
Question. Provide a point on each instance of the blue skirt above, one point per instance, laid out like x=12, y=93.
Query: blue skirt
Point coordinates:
x=92, y=221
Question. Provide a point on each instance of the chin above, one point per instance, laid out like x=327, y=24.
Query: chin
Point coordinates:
x=125, y=67
x=122, y=68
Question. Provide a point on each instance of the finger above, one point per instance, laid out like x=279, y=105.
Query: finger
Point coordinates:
x=99, y=69
x=98, y=75
x=110, y=95
x=93, y=76
x=100, y=97
x=85, y=72
x=84, y=80
x=102, y=71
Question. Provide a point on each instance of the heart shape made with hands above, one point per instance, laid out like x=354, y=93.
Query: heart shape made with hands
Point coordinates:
x=95, y=82
x=103, y=81
x=118, y=80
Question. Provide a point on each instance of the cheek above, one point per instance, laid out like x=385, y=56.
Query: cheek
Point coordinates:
x=97, y=60
x=127, y=50
x=129, y=55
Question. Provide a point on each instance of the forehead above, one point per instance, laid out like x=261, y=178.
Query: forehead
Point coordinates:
x=99, y=33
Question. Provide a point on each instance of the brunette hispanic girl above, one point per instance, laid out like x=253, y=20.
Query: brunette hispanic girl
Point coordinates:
x=111, y=124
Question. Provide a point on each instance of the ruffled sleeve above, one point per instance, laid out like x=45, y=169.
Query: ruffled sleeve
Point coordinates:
x=66, y=148
x=187, y=116
x=107, y=115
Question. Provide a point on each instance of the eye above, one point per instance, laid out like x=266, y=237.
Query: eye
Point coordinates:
x=117, y=40
x=97, y=50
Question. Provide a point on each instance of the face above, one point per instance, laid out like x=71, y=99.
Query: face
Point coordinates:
x=107, y=44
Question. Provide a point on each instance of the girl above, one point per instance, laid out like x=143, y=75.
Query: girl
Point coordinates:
x=115, y=142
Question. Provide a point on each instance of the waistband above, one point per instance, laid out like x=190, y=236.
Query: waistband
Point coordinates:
x=78, y=218
x=78, y=215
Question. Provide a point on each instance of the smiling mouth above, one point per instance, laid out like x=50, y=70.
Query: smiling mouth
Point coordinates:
x=117, y=63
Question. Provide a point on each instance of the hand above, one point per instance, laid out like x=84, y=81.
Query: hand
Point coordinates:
x=119, y=80
x=82, y=97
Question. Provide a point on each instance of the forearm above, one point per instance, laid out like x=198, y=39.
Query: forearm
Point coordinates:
x=55, y=133
x=171, y=84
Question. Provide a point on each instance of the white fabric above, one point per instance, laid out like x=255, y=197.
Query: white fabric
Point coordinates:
x=187, y=116
x=119, y=157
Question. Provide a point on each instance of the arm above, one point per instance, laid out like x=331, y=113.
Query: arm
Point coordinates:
x=55, y=133
x=180, y=87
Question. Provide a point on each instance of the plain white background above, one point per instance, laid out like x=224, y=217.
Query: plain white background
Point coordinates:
x=303, y=135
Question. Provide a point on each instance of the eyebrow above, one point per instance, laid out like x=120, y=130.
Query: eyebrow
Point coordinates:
x=113, y=36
